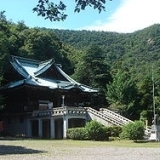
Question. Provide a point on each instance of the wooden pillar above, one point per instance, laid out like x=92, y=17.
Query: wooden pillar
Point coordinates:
x=40, y=128
x=29, y=128
x=65, y=126
x=52, y=128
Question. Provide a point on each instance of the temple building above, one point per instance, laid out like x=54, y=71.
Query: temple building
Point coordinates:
x=42, y=101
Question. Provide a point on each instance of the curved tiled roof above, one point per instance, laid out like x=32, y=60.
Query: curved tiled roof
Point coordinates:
x=32, y=69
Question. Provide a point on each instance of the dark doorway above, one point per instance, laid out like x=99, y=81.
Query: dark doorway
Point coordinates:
x=34, y=126
x=1, y=127
x=59, y=129
x=46, y=129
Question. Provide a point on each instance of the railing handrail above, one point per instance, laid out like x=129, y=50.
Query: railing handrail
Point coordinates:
x=69, y=110
x=107, y=111
x=105, y=117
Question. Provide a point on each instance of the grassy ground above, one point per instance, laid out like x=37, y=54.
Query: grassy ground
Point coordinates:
x=77, y=143
x=69, y=149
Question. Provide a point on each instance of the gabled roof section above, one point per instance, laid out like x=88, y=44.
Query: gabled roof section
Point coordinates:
x=33, y=71
x=28, y=67
x=43, y=67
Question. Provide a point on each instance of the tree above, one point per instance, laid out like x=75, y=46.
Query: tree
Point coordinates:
x=55, y=12
x=4, y=51
x=39, y=44
x=2, y=16
x=92, y=70
x=122, y=92
x=146, y=98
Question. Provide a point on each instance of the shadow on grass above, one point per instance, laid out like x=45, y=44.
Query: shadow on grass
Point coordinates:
x=6, y=149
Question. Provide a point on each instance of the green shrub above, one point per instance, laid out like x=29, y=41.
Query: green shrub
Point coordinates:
x=96, y=131
x=133, y=131
x=114, y=131
x=93, y=130
x=77, y=133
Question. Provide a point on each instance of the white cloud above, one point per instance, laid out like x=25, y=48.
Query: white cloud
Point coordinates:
x=132, y=15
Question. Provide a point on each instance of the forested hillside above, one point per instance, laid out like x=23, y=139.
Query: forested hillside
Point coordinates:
x=135, y=54
x=122, y=66
x=141, y=46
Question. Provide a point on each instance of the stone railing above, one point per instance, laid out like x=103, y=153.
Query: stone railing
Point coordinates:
x=60, y=111
x=102, y=118
x=68, y=111
x=42, y=113
x=115, y=116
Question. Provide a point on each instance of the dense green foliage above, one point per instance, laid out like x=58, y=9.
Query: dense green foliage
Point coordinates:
x=122, y=91
x=93, y=70
x=113, y=131
x=96, y=131
x=77, y=133
x=56, y=11
x=93, y=130
x=133, y=131
x=120, y=65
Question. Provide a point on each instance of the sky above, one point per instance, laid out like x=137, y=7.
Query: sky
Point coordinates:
x=122, y=16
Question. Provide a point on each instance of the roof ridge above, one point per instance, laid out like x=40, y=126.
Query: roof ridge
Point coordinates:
x=32, y=60
x=26, y=59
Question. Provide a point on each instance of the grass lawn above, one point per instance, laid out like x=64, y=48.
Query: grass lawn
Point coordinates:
x=39, y=143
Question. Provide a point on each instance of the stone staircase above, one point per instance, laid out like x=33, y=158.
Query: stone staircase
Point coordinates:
x=106, y=117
